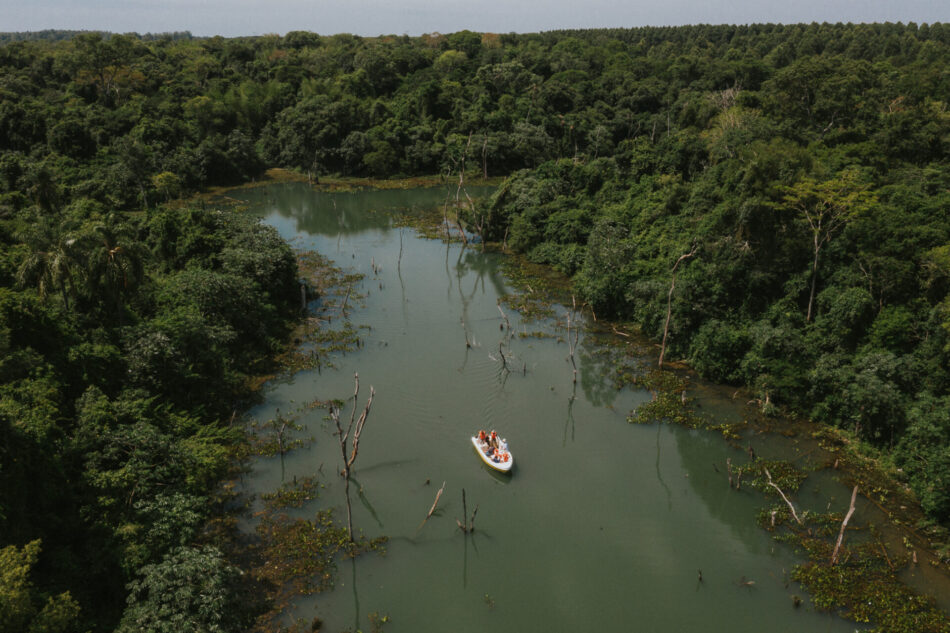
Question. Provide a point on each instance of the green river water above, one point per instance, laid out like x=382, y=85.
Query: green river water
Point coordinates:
x=602, y=526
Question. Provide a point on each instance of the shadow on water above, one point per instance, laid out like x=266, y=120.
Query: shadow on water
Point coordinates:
x=502, y=478
x=594, y=370
x=361, y=493
x=703, y=457
x=569, y=423
x=470, y=539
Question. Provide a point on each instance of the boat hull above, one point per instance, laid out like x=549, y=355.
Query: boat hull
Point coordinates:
x=501, y=466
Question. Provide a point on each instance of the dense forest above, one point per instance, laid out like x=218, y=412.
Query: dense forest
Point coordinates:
x=796, y=177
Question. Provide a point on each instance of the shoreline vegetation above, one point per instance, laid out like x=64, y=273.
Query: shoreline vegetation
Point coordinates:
x=770, y=201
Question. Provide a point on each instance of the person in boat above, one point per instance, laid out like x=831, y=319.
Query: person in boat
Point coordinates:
x=493, y=440
x=482, y=437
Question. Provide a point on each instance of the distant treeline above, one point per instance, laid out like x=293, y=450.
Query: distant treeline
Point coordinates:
x=798, y=173
x=56, y=35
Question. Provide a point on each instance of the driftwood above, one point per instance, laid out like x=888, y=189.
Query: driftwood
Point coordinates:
x=790, y=506
x=844, y=524
x=438, y=495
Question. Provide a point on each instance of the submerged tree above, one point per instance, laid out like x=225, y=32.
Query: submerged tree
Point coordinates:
x=356, y=427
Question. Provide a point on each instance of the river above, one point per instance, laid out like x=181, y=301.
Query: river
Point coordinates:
x=603, y=525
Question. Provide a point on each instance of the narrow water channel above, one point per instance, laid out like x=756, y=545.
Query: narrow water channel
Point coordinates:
x=602, y=526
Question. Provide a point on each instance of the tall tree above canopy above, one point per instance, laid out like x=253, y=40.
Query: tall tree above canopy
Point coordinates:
x=827, y=206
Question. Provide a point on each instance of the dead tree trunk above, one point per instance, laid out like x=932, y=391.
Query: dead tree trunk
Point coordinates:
x=790, y=506
x=573, y=337
x=669, y=302
x=399, y=261
x=505, y=317
x=844, y=524
x=344, y=435
x=438, y=495
x=501, y=353
x=280, y=436
x=468, y=526
x=458, y=219
x=814, y=279
x=343, y=305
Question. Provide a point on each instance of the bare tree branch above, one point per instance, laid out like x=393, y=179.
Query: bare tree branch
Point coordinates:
x=434, y=504
x=790, y=506
x=844, y=524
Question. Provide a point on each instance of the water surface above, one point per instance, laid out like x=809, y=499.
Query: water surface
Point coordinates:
x=602, y=525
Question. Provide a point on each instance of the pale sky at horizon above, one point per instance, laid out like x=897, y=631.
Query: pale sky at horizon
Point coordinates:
x=232, y=18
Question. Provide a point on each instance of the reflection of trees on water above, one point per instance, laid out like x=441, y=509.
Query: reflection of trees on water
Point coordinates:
x=478, y=266
x=596, y=369
x=344, y=213
x=482, y=265
x=365, y=501
x=569, y=424
x=701, y=454
x=659, y=474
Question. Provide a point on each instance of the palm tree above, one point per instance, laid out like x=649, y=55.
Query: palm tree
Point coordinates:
x=44, y=189
x=115, y=261
x=55, y=260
